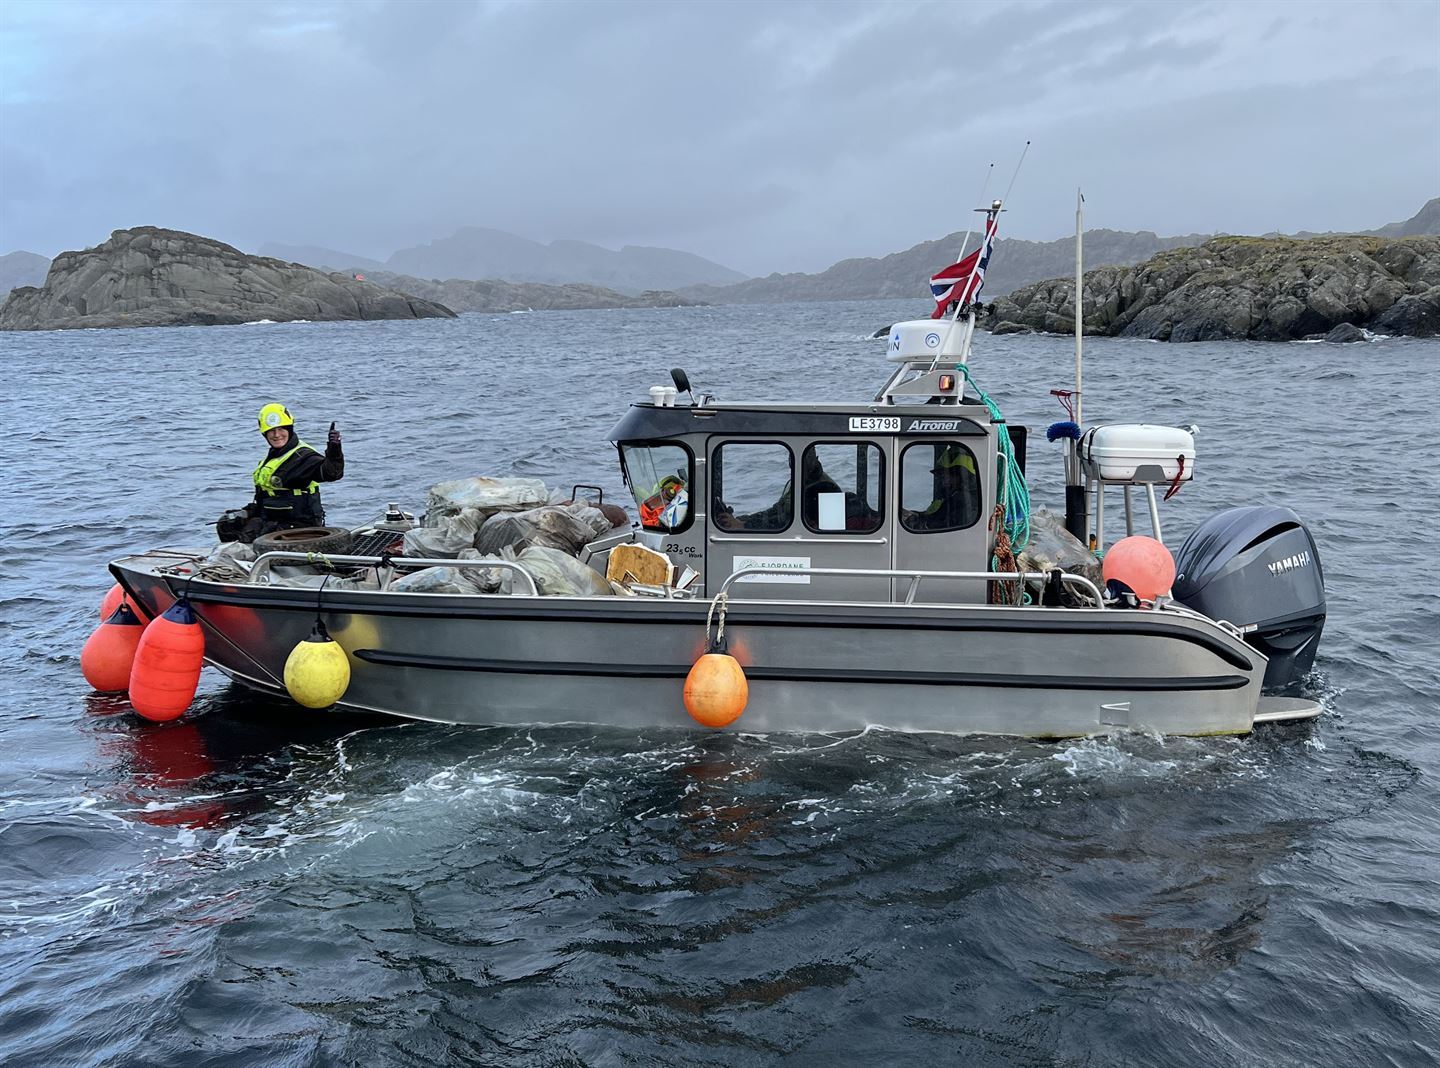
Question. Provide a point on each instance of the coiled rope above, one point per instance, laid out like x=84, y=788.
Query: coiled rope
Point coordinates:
x=1014, y=491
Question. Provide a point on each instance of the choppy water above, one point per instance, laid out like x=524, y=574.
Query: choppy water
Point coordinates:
x=261, y=885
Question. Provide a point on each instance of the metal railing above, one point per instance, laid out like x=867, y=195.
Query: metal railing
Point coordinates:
x=916, y=577
x=260, y=570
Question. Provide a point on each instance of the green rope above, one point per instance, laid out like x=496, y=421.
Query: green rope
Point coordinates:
x=1014, y=493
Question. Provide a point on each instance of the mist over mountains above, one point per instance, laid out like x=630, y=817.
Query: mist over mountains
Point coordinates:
x=479, y=253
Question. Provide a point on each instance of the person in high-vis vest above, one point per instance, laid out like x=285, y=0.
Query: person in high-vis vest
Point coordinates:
x=287, y=482
x=957, y=489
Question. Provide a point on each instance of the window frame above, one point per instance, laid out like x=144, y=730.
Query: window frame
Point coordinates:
x=715, y=484
x=900, y=497
x=880, y=523
x=644, y=443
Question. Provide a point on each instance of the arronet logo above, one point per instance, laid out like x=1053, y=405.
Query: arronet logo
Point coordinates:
x=932, y=426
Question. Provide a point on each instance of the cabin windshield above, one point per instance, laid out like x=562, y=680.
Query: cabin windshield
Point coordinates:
x=660, y=475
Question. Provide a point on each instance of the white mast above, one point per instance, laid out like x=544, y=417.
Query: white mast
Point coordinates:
x=1079, y=302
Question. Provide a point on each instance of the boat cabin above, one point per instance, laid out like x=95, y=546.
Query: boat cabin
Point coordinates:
x=907, y=481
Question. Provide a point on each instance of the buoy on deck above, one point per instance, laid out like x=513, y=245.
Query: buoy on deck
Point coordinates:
x=1141, y=563
x=317, y=671
x=167, y=664
x=716, y=690
x=109, y=652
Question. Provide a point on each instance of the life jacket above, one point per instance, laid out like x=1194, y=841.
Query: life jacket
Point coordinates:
x=291, y=506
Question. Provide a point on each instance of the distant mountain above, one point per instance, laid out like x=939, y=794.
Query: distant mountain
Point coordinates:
x=21, y=269
x=494, y=295
x=1016, y=264
x=478, y=253
x=907, y=274
x=1425, y=221
x=475, y=253
x=326, y=259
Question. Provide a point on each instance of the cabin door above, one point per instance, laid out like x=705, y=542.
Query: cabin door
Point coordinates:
x=941, y=519
x=837, y=520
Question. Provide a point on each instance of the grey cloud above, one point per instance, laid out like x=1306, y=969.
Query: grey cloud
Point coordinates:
x=768, y=137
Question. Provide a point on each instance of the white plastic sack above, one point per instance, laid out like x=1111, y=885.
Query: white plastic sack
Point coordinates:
x=558, y=574
x=485, y=495
x=556, y=526
x=445, y=539
x=1052, y=546
x=433, y=580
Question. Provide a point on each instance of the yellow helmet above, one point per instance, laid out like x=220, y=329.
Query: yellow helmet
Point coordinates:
x=273, y=416
x=954, y=456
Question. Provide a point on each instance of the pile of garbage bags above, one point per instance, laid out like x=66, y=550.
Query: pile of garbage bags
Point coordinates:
x=507, y=519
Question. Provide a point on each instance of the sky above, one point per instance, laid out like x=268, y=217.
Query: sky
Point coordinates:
x=767, y=136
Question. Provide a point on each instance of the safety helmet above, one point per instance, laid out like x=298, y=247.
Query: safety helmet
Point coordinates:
x=671, y=485
x=954, y=456
x=273, y=416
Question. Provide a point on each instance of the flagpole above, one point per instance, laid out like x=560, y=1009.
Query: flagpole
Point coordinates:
x=1079, y=301
x=1077, y=520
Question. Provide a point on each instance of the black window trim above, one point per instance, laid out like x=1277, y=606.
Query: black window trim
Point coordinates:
x=884, y=512
x=642, y=443
x=715, y=448
x=900, y=497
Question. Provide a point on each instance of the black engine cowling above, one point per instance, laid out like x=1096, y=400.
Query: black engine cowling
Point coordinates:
x=1257, y=567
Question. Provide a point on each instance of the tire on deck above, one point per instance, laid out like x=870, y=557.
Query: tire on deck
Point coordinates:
x=336, y=540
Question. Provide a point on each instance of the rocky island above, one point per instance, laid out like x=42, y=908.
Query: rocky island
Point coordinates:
x=1261, y=288
x=497, y=295
x=148, y=276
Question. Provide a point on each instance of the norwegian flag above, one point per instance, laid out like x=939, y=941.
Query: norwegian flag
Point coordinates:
x=962, y=281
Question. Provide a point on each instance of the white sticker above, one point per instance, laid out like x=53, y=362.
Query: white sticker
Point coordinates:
x=793, y=562
x=874, y=424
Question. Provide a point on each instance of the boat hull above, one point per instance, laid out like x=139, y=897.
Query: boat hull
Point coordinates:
x=1032, y=672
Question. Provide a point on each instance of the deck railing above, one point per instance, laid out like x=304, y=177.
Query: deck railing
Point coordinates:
x=1083, y=584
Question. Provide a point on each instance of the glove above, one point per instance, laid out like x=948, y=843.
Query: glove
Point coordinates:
x=334, y=436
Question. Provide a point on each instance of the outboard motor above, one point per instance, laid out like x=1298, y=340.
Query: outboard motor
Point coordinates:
x=1257, y=567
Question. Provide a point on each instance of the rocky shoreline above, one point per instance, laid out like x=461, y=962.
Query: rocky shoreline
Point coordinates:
x=1265, y=289
x=148, y=276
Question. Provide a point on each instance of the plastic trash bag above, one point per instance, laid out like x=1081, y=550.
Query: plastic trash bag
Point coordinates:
x=231, y=552
x=555, y=526
x=485, y=495
x=447, y=538
x=1051, y=546
x=558, y=574
x=433, y=580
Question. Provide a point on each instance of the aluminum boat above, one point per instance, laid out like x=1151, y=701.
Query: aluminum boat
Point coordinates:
x=878, y=595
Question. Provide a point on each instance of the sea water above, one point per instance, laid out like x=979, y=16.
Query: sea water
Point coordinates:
x=261, y=884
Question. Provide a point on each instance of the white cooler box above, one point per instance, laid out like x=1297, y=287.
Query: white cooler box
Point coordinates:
x=1138, y=452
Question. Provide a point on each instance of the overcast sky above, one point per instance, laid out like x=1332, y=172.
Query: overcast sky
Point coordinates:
x=766, y=136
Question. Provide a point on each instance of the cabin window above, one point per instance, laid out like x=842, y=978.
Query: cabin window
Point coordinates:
x=660, y=474
x=752, y=487
x=939, y=487
x=841, y=487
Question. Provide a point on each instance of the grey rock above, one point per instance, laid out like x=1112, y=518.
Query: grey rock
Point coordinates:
x=1007, y=327
x=1417, y=315
x=1268, y=289
x=1345, y=334
x=154, y=277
